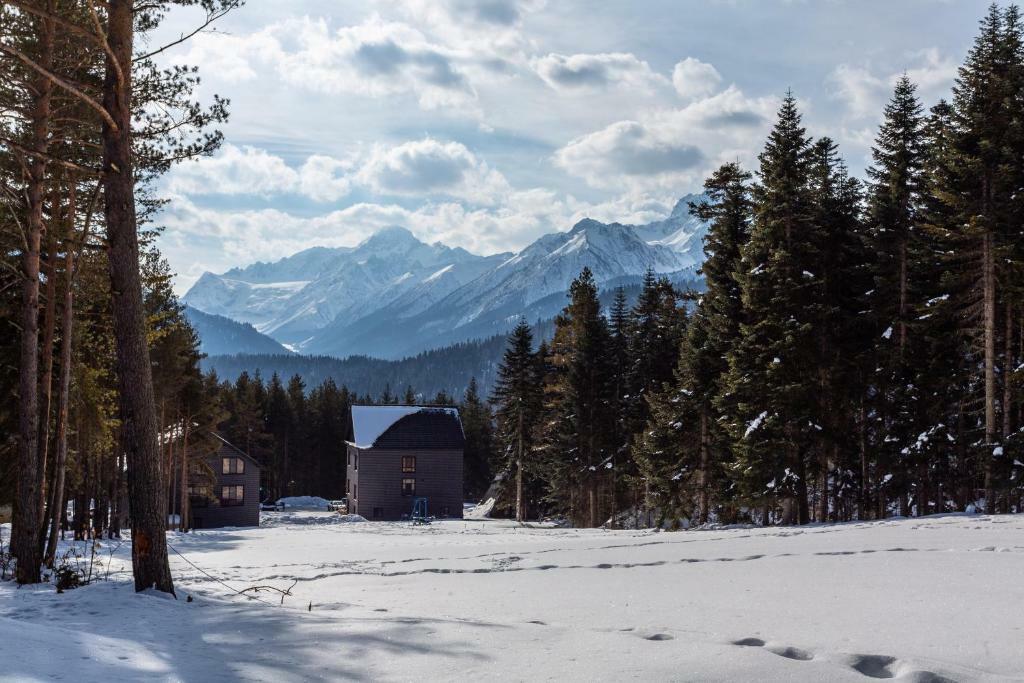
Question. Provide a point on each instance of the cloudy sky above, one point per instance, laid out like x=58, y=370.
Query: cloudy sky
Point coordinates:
x=486, y=123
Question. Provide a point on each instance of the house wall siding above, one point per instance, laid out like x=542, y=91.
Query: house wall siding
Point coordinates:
x=378, y=481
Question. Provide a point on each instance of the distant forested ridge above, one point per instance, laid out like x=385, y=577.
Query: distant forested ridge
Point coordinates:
x=449, y=369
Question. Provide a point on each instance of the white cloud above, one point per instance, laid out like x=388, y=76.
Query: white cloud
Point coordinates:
x=866, y=90
x=673, y=148
x=428, y=166
x=596, y=71
x=694, y=79
x=422, y=168
x=324, y=178
x=234, y=171
x=374, y=58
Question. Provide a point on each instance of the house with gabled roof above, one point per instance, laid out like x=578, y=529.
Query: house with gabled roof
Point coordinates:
x=225, y=489
x=397, y=454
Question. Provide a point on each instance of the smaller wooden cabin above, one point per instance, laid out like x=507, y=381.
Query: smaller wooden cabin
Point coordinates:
x=397, y=454
x=227, y=491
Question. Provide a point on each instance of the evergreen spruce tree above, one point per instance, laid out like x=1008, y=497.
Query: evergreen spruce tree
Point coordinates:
x=684, y=448
x=771, y=388
x=896, y=246
x=577, y=439
x=517, y=402
x=479, y=430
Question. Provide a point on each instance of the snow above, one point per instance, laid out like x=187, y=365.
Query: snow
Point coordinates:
x=493, y=600
x=755, y=424
x=888, y=333
x=481, y=511
x=369, y=422
x=306, y=502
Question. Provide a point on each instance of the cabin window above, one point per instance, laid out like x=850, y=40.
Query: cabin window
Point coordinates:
x=408, y=463
x=378, y=513
x=408, y=487
x=231, y=495
x=232, y=466
x=355, y=461
x=199, y=495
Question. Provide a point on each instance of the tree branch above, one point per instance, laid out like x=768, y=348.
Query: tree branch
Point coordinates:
x=210, y=18
x=62, y=83
x=49, y=157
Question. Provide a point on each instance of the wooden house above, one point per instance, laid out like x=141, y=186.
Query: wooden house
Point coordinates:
x=226, y=492
x=397, y=454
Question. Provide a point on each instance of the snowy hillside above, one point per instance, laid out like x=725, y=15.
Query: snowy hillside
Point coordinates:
x=393, y=295
x=929, y=599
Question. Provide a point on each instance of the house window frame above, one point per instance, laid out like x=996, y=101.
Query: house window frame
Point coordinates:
x=408, y=464
x=232, y=501
x=227, y=468
x=412, y=492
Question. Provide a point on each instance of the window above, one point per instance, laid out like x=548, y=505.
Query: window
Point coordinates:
x=446, y=511
x=232, y=466
x=408, y=463
x=408, y=487
x=195, y=468
x=231, y=495
x=378, y=513
x=355, y=460
x=355, y=491
x=199, y=495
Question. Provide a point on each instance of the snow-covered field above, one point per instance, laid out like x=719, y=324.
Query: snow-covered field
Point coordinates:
x=923, y=600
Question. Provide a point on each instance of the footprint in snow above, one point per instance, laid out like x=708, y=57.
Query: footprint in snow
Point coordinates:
x=884, y=666
x=787, y=651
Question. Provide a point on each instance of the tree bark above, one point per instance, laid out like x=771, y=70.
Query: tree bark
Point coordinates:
x=27, y=523
x=46, y=379
x=519, y=472
x=989, y=301
x=183, y=499
x=146, y=492
x=705, y=464
x=57, y=506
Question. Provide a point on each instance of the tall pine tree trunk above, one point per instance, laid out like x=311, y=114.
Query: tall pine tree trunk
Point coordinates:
x=989, y=306
x=27, y=523
x=146, y=492
x=1008, y=367
x=705, y=464
x=46, y=379
x=183, y=493
x=57, y=506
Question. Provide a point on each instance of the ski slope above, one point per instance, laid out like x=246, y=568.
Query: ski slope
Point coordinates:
x=931, y=599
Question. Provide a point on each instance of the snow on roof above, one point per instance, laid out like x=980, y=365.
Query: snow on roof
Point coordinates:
x=369, y=422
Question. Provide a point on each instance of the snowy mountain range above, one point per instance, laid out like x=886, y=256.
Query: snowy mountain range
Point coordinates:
x=394, y=296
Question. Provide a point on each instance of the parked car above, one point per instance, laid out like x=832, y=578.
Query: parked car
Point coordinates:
x=270, y=506
x=340, y=506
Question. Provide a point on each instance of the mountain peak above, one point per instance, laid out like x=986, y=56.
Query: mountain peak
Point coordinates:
x=586, y=224
x=682, y=207
x=391, y=234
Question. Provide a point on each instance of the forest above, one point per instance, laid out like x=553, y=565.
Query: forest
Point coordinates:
x=855, y=353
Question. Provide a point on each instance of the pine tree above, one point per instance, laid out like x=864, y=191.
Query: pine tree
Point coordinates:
x=981, y=190
x=684, y=448
x=479, y=430
x=577, y=441
x=770, y=391
x=895, y=242
x=517, y=402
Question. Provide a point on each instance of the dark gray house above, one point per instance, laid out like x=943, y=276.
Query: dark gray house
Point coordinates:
x=399, y=453
x=227, y=491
